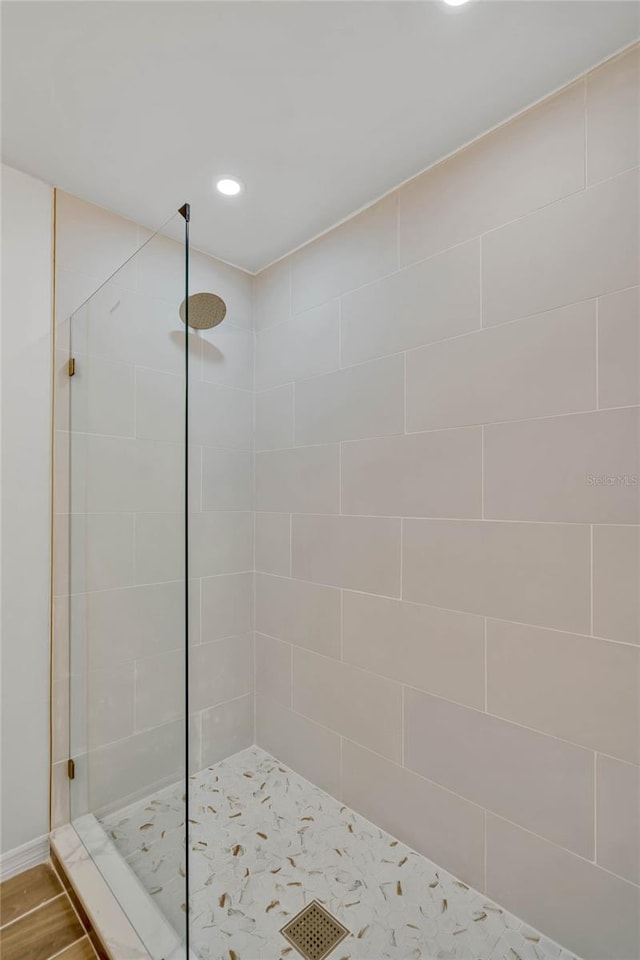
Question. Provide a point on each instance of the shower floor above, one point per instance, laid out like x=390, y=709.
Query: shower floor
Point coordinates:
x=265, y=842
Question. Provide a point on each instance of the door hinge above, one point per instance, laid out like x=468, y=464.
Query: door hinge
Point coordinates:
x=71, y=366
x=71, y=769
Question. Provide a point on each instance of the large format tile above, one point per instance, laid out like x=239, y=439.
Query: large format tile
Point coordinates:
x=220, y=416
x=440, y=651
x=221, y=542
x=227, y=479
x=235, y=286
x=227, y=356
x=619, y=348
x=305, y=346
x=532, y=877
x=358, y=251
x=227, y=606
x=311, y=750
x=274, y=418
x=536, y=367
x=530, y=572
x=617, y=806
x=306, y=614
x=523, y=165
x=539, y=782
x=273, y=669
x=300, y=480
x=273, y=294
x=436, y=474
x=90, y=240
x=102, y=707
x=359, y=553
x=220, y=670
x=543, y=261
x=431, y=820
x=103, y=398
x=613, y=116
x=354, y=703
x=432, y=300
x=579, y=688
x=272, y=548
x=366, y=400
x=101, y=553
x=123, y=625
x=616, y=575
x=226, y=729
x=160, y=405
x=564, y=468
x=160, y=689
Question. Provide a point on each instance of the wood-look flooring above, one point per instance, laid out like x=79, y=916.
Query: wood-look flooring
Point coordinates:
x=38, y=920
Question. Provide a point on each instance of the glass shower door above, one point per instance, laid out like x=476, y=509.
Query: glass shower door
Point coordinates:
x=126, y=584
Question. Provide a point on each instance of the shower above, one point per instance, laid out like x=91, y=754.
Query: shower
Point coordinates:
x=205, y=310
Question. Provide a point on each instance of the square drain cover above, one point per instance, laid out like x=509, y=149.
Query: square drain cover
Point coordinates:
x=314, y=932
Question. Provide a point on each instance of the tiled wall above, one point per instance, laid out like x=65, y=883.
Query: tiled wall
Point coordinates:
x=124, y=566
x=447, y=612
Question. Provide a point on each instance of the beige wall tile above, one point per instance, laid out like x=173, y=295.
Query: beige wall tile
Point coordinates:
x=273, y=294
x=619, y=348
x=143, y=761
x=305, y=746
x=616, y=575
x=556, y=468
x=543, y=261
x=273, y=669
x=102, y=708
x=532, y=878
x=362, y=401
x=159, y=689
x=529, y=572
x=617, y=806
x=227, y=356
x=227, y=729
x=227, y=479
x=306, y=614
x=356, y=252
x=273, y=543
x=539, y=782
x=536, y=367
x=220, y=670
x=274, y=418
x=227, y=606
x=128, y=624
x=305, y=346
x=435, y=474
x=521, y=166
x=103, y=398
x=101, y=553
x=440, y=651
x=441, y=826
x=613, y=117
x=220, y=416
x=579, y=688
x=159, y=549
x=221, y=542
x=359, y=553
x=300, y=480
x=357, y=704
x=159, y=405
x=432, y=300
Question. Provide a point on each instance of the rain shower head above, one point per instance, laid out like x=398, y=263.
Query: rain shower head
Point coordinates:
x=206, y=310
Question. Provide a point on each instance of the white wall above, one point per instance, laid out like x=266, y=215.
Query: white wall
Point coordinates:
x=25, y=540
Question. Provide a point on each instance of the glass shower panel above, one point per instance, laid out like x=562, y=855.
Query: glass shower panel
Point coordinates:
x=127, y=584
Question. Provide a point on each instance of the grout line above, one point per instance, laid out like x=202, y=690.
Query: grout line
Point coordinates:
x=85, y=936
x=595, y=808
x=482, y=470
x=486, y=675
x=28, y=913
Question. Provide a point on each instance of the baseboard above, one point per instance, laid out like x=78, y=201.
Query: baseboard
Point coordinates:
x=22, y=858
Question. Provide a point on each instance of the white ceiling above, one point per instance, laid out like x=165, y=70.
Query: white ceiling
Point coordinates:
x=319, y=107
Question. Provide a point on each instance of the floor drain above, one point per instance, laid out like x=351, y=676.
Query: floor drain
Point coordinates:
x=314, y=932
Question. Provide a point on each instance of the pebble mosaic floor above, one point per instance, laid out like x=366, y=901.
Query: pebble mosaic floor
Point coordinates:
x=265, y=842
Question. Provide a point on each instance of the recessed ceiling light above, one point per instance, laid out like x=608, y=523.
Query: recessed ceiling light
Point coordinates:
x=455, y=3
x=229, y=186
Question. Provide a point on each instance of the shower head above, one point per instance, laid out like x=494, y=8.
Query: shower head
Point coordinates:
x=206, y=310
